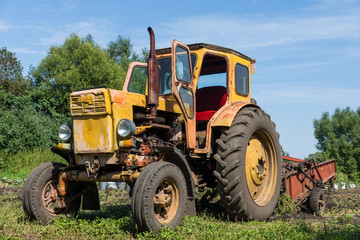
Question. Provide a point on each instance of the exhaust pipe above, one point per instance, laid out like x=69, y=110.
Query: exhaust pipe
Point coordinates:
x=153, y=79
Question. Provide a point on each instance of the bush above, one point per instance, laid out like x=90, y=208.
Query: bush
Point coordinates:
x=285, y=205
x=19, y=165
x=21, y=127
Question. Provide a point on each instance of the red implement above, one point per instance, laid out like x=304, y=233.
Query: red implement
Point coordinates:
x=301, y=176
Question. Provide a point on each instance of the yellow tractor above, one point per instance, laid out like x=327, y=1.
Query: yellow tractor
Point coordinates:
x=183, y=121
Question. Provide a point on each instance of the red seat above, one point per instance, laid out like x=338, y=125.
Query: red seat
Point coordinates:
x=208, y=101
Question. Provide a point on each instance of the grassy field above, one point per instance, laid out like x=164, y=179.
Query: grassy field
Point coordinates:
x=114, y=221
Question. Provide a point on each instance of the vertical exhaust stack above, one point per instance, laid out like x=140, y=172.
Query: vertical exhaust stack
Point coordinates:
x=153, y=79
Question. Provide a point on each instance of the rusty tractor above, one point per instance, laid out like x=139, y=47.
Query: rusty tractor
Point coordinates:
x=183, y=121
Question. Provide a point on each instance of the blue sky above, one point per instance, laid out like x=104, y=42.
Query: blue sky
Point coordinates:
x=307, y=52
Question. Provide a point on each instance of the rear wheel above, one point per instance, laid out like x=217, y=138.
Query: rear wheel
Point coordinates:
x=40, y=192
x=159, y=197
x=317, y=201
x=248, y=166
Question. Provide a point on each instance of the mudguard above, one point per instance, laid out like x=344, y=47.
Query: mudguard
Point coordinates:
x=176, y=157
x=90, y=200
x=226, y=116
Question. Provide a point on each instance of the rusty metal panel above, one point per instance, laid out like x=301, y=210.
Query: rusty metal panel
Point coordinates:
x=90, y=102
x=226, y=116
x=92, y=121
x=327, y=170
x=292, y=159
x=122, y=106
x=93, y=134
x=298, y=187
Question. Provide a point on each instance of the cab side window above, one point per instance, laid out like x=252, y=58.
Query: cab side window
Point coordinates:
x=138, y=80
x=242, y=79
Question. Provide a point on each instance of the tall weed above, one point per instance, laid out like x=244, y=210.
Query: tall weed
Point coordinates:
x=19, y=165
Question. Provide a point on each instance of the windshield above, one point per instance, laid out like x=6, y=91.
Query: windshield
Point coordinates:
x=139, y=75
x=165, y=76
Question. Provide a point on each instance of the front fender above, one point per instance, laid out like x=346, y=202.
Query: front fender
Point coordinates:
x=226, y=117
x=64, y=153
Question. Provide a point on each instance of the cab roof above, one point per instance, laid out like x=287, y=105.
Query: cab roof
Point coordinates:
x=198, y=46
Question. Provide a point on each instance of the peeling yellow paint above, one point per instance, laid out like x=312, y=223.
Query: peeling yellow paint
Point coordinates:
x=92, y=134
x=227, y=115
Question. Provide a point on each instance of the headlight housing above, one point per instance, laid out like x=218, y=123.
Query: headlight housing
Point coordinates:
x=125, y=127
x=65, y=132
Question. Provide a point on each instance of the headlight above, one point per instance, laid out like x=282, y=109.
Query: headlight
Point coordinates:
x=64, y=132
x=126, y=127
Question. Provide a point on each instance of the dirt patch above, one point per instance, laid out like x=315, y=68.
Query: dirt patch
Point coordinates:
x=343, y=199
x=341, y=202
x=9, y=190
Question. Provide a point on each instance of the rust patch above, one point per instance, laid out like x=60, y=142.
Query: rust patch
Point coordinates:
x=118, y=97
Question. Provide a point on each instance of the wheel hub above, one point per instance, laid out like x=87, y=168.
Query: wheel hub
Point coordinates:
x=49, y=196
x=166, y=201
x=257, y=163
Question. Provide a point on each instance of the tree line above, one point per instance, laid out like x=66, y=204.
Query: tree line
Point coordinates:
x=33, y=106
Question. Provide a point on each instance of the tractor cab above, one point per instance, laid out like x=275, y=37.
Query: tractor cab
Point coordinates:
x=208, y=80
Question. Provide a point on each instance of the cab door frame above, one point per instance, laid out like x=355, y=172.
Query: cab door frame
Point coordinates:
x=183, y=88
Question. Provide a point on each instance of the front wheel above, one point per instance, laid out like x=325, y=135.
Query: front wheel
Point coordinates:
x=40, y=192
x=248, y=166
x=159, y=197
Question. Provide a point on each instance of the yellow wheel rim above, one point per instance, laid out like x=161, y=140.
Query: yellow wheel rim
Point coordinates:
x=261, y=167
x=166, y=201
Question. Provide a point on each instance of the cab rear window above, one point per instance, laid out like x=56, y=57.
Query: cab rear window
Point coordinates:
x=242, y=79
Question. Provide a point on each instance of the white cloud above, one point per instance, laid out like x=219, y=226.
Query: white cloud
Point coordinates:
x=240, y=32
x=5, y=25
x=23, y=51
x=56, y=34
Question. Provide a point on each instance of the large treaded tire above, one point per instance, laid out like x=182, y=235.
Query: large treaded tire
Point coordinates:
x=46, y=176
x=248, y=166
x=317, y=201
x=151, y=184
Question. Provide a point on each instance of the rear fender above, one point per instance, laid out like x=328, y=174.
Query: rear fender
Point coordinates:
x=226, y=117
x=222, y=118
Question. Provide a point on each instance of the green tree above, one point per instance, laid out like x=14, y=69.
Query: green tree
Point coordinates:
x=339, y=137
x=21, y=127
x=78, y=63
x=11, y=78
x=319, y=156
x=121, y=50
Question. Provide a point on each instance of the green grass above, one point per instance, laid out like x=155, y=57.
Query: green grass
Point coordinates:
x=114, y=220
x=18, y=166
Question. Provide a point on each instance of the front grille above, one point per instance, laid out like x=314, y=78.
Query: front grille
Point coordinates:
x=88, y=104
